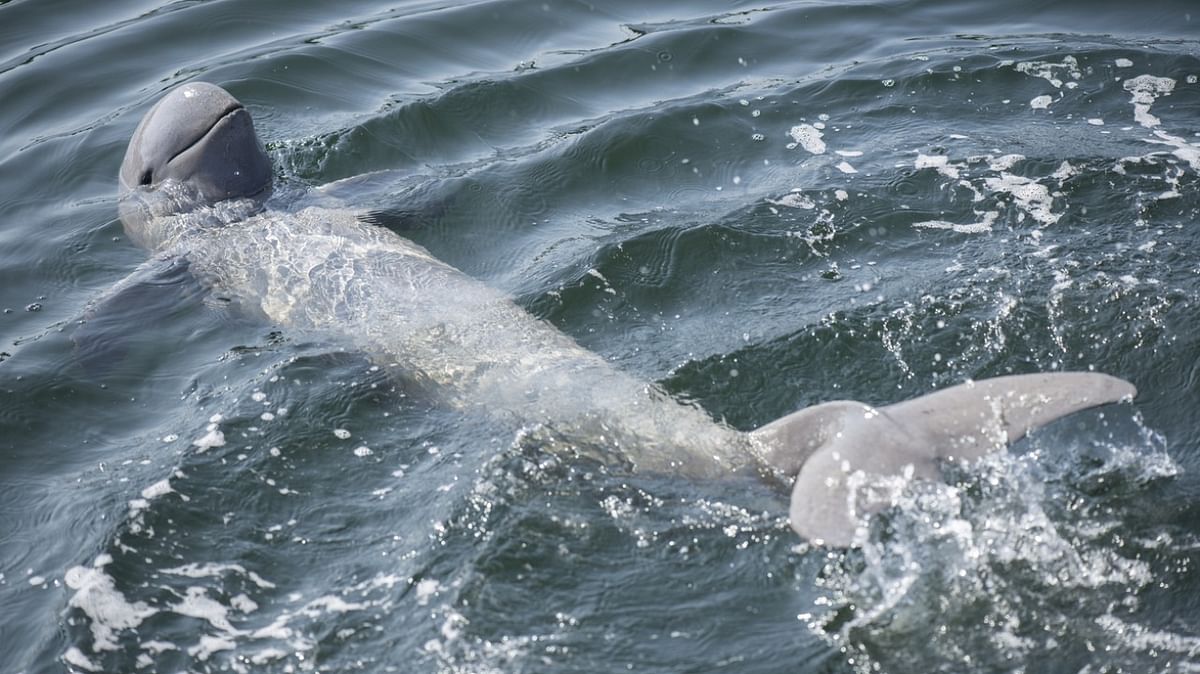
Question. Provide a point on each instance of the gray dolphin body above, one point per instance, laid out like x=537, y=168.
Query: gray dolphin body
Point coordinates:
x=192, y=184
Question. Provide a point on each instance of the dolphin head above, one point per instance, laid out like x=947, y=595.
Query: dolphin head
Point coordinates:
x=200, y=138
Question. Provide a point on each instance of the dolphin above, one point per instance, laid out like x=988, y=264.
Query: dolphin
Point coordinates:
x=193, y=185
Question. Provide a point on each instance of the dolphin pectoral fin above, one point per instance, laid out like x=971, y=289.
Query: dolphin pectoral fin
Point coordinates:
x=837, y=450
x=403, y=221
x=397, y=221
x=157, y=287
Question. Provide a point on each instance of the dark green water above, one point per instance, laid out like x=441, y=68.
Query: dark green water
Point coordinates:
x=761, y=207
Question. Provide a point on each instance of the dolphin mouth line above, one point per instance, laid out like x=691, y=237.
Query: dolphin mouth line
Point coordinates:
x=226, y=114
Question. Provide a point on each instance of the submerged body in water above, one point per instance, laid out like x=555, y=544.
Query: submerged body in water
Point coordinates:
x=323, y=270
x=193, y=180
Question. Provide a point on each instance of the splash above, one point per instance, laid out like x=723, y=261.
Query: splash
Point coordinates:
x=1023, y=560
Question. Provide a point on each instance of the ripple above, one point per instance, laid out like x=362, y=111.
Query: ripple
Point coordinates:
x=626, y=171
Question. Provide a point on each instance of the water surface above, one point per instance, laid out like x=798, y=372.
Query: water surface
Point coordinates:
x=760, y=207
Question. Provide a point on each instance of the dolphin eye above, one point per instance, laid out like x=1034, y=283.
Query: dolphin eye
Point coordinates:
x=145, y=179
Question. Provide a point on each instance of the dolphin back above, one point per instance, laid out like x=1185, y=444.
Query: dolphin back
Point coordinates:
x=836, y=449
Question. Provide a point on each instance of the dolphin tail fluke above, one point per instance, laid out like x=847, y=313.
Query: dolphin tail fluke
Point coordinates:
x=830, y=448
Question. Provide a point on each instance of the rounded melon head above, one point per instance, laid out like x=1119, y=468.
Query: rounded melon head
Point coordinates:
x=201, y=137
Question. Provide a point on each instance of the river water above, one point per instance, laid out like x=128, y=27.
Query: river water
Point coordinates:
x=758, y=206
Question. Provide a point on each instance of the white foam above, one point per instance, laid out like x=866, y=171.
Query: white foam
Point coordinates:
x=1141, y=638
x=939, y=162
x=267, y=655
x=1146, y=89
x=332, y=604
x=426, y=589
x=1186, y=151
x=212, y=570
x=341, y=433
x=1004, y=162
x=197, y=604
x=76, y=658
x=981, y=227
x=808, y=137
x=213, y=438
x=1123, y=63
x=1041, y=102
x=108, y=611
x=1030, y=196
x=210, y=644
x=156, y=647
x=1049, y=71
x=1064, y=171
x=157, y=489
x=794, y=199
x=243, y=604
x=845, y=167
